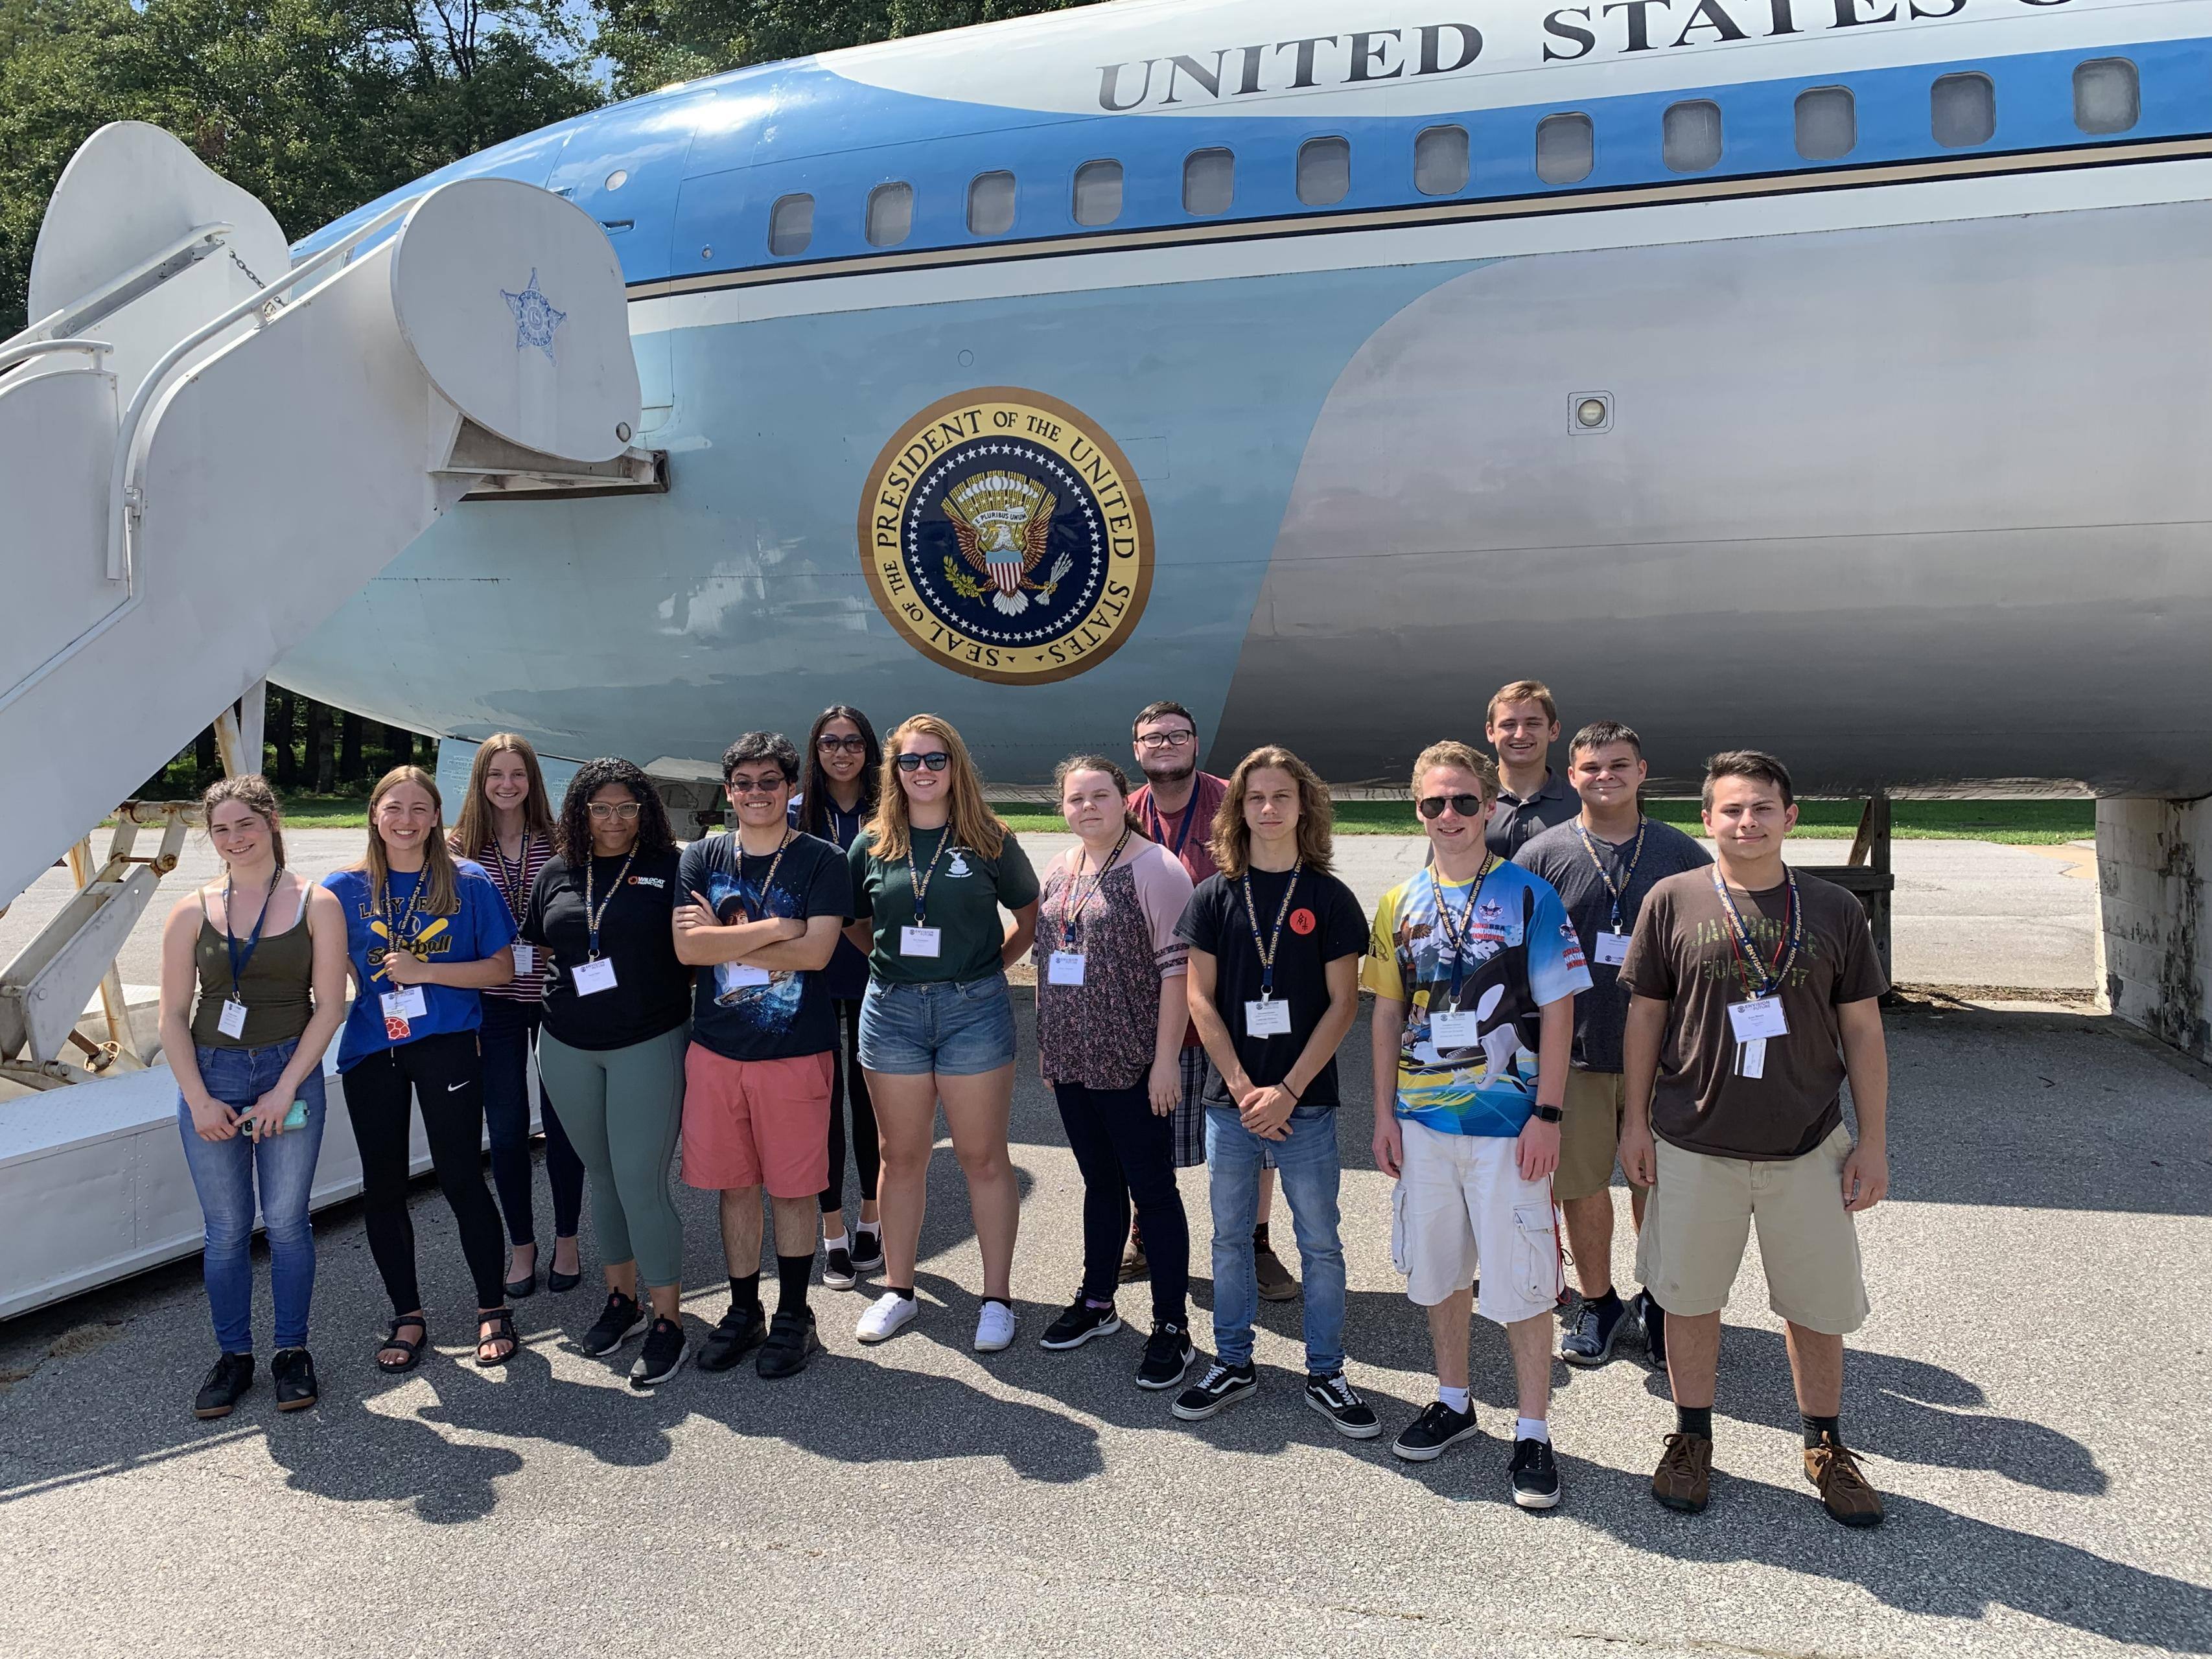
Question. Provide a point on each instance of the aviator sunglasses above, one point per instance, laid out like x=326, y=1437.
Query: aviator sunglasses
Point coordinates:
x=1467, y=806
x=936, y=760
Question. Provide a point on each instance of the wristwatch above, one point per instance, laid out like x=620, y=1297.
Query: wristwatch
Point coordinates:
x=1549, y=1114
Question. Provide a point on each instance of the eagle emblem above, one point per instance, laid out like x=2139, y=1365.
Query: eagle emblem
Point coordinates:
x=1003, y=520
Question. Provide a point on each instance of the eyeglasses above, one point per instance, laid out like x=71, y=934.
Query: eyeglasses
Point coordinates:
x=767, y=784
x=624, y=810
x=855, y=744
x=1158, y=740
x=1467, y=806
x=936, y=760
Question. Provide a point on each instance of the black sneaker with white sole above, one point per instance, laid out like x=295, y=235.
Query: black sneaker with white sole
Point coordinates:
x=1535, y=1474
x=837, y=1272
x=618, y=1322
x=867, y=1250
x=1336, y=1400
x=1078, y=1324
x=1168, y=1354
x=1596, y=1327
x=1221, y=1386
x=1433, y=1432
x=662, y=1356
x=738, y=1332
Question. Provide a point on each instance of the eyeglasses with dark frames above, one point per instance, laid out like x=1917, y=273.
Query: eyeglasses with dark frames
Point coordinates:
x=1158, y=740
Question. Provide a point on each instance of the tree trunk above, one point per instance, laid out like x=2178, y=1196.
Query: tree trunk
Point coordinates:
x=349, y=758
x=280, y=720
x=204, y=759
x=320, y=762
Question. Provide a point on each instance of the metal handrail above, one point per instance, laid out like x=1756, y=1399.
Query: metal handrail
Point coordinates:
x=93, y=306
x=22, y=351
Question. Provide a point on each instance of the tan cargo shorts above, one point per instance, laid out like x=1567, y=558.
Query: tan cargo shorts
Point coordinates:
x=1590, y=1137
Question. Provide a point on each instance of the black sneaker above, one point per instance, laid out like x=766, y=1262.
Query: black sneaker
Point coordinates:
x=294, y=1373
x=1222, y=1385
x=1653, y=1318
x=619, y=1321
x=792, y=1342
x=1428, y=1436
x=1078, y=1324
x=662, y=1357
x=867, y=1250
x=740, y=1332
x=1535, y=1474
x=1168, y=1354
x=837, y=1272
x=1336, y=1400
x=231, y=1377
x=1596, y=1326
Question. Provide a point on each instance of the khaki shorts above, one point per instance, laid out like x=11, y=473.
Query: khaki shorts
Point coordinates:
x=1700, y=1217
x=1589, y=1139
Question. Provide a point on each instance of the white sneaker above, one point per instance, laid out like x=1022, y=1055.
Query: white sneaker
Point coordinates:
x=887, y=1313
x=994, y=1327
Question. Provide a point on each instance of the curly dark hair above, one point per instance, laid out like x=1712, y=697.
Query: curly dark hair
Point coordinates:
x=654, y=834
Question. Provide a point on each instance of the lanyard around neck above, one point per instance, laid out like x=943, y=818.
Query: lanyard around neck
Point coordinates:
x=767, y=883
x=241, y=961
x=398, y=934
x=1456, y=930
x=920, y=879
x=592, y=914
x=1076, y=895
x=1266, y=951
x=1618, y=891
x=1764, y=979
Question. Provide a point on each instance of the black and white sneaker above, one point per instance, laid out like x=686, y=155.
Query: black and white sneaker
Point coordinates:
x=1078, y=1324
x=663, y=1356
x=1429, y=1436
x=1221, y=1386
x=1535, y=1474
x=1653, y=1318
x=837, y=1272
x=1596, y=1327
x=867, y=1249
x=1168, y=1354
x=739, y=1331
x=1336, y=1400
x=619, y=1321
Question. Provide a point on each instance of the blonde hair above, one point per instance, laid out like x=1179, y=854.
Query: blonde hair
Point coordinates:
x=1233, y=837
x=1463, y=757
x=439, y=894
x=973, y=824
x=251, y=791
x=1533, y=691
x=474, y=834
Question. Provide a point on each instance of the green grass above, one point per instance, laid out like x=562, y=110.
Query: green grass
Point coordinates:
x=2022, y=823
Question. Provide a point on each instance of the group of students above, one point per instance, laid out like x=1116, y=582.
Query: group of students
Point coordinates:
x=1567, y=983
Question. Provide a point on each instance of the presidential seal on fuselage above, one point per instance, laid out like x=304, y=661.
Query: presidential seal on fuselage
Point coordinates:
x=1005, y=537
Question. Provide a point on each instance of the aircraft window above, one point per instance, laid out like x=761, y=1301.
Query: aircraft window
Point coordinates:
x=1440, y=161
x=1690, y=136
x=890, y=214
x=1097, y=193
x=991, y=204
x=1209, y=181
x=790, y=225
x=618, y=179
x=1827, y=124
x=1563, y=148
x=1324, y=171
x=2106, y=98
x=1962, y=109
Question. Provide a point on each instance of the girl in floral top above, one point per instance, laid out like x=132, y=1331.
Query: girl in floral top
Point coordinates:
x=1110, y=1015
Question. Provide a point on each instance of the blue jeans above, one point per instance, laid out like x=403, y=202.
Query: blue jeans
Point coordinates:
x=1307, y=1165
x=224, y=1173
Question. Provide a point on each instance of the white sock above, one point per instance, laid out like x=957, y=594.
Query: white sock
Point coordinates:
x=1532, y=1428
x=1455, y=1398
x=876, y=1227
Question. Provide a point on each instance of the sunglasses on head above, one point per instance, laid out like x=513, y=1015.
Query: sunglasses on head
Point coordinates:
x=855, y=744
x=936, y=760
x=1467, y=806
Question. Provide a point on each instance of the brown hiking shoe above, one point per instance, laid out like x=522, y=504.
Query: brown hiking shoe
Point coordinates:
x=1685, y=1475
x=1276, y=1284
x=1844, y=1491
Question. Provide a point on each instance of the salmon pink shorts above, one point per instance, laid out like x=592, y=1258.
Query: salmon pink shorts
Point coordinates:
x=757, y=1122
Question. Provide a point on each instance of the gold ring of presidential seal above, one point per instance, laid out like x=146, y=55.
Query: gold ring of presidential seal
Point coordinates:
x=1005, y=537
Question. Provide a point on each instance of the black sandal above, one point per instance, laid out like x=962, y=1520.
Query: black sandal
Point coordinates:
x=393, y=1340
x=502, y=1321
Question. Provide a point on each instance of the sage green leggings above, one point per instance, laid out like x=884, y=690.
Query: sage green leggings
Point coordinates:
x=623, y=1109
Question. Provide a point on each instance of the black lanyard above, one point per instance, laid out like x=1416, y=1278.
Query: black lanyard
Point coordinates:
x=593, y=917
x=240, y=963
x=1183, y=829
x=920, y=880
x=396, y=936
x=516, y=884
x=1073, y=897
x=1617, y=892
x=1266, y=951
x=768, y=886
x=1455, y=935
x=1764, y=980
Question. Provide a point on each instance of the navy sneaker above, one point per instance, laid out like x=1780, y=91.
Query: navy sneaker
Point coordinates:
x=1597, y=1326
x=232, y=1375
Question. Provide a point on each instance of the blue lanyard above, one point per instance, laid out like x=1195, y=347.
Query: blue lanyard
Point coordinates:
x=1455, y=935
x=1266, y=951
x=1763, y=979
x=1617, y=893
x=592, y=916
x=1183, y=830
x=240, y=963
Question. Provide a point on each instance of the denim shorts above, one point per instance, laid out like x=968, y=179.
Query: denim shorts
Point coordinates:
x=955, y=1029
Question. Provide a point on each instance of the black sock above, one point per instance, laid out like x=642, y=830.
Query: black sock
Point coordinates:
x=1609, y=1304
x=904, y=1292
x=744, y=1290
x=1694, y=1419
x=1000, y=1300
x=1260, y=1236
x=1815, y=1427
x=792, y=1273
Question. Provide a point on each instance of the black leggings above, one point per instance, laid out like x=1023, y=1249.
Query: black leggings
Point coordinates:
x=868, y=1147
x=1126, y=1152
x=445, y=1074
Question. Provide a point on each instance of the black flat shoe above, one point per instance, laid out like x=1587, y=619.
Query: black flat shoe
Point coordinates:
x=293, y=1371
x=556, y=1281
x=516, y=1289
x=232, y=1375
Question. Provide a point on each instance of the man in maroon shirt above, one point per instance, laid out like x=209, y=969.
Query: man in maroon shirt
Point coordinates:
x=1177, y=806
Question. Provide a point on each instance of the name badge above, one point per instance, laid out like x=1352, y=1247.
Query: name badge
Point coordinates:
x=1455, y=1028
x=401, y=1005
x=920, y=941
x=526, y=960
x=1758, y=1019
x=739, y=974
x=592, y=978
x=1267, y=1018
x=1612, y=949
x=232, y=1021
x=1064, y=968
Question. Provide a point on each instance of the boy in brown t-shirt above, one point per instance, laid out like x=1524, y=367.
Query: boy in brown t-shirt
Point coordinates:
x=1753, y=998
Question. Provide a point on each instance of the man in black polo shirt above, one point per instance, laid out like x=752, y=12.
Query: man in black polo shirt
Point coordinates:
x=1523, y=724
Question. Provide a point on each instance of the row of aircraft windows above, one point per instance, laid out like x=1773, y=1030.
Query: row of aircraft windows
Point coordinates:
x=1962, y=112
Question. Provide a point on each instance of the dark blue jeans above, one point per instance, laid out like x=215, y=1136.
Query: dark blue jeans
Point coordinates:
x=224, y=1173
x=508, y=1034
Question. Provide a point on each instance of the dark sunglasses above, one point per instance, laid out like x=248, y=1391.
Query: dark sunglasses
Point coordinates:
x=852, y=745
x=767, y=784
x=936, y=760
x=1467, y=806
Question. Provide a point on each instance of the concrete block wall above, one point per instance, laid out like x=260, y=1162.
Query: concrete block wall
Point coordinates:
x=2153, y=867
